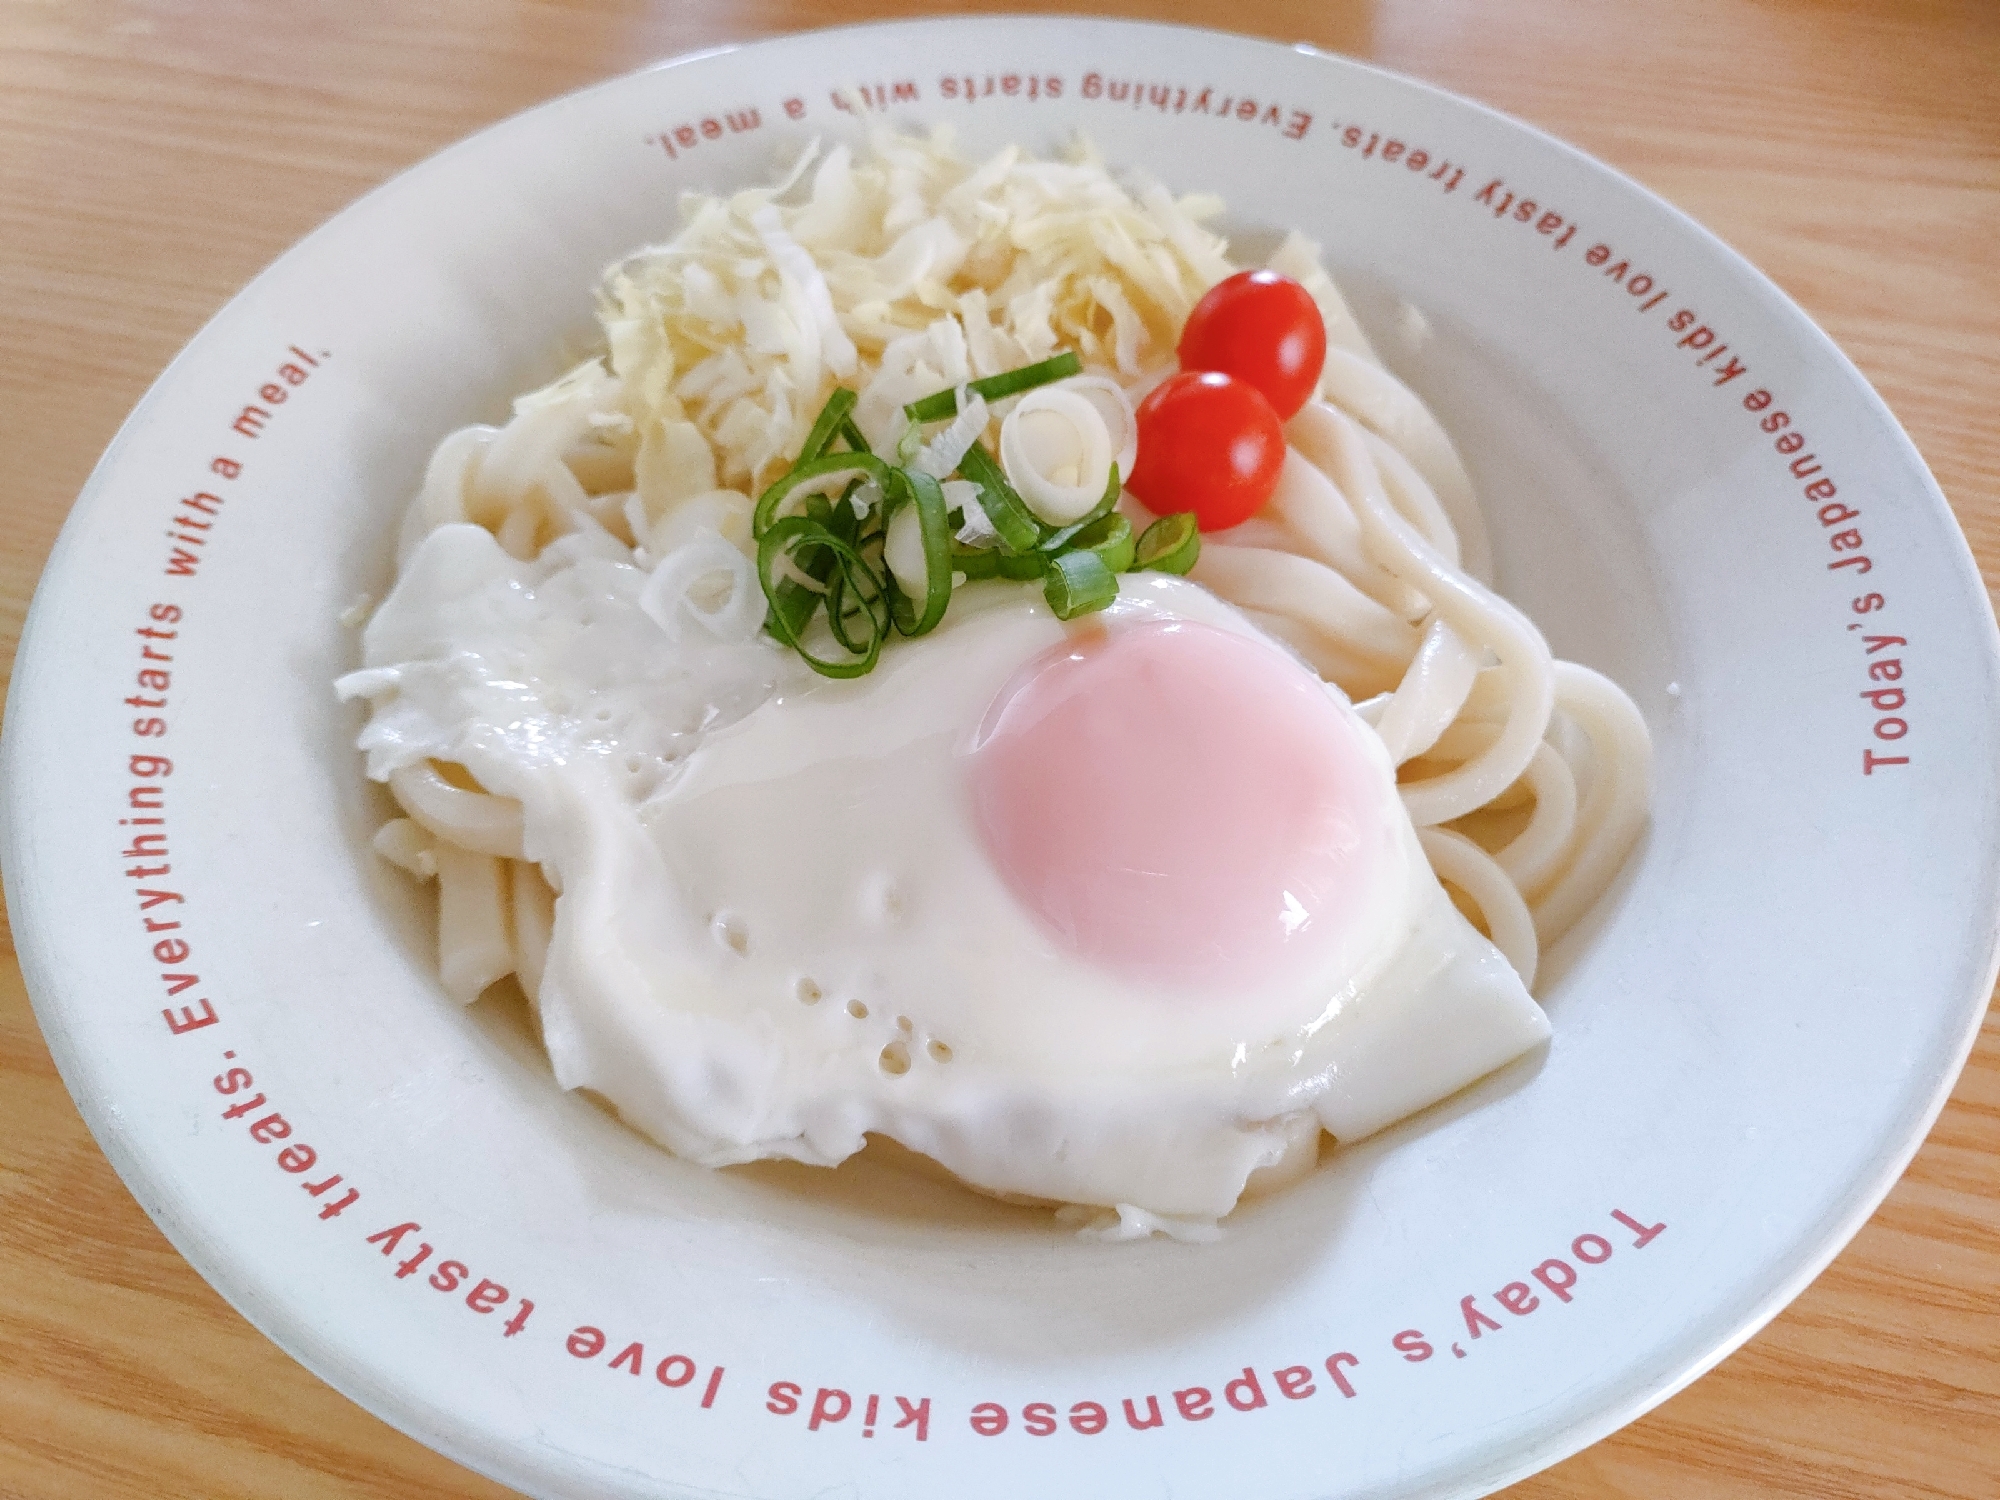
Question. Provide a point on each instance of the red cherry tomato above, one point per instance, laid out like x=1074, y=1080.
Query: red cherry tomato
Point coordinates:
x=1263, y=328
x=1208, y=443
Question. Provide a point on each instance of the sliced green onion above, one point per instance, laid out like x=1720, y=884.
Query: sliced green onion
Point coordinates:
x=934, y=519
x=1020, y=566
x=833, y=419
x=935, y=408
x=788, y=534
x=1059, y=540
x=1008, y=512
x=975, y=562
x=1077, y=583
x=840, y=518
x=845, y=602
x=835, y=600
x=1170, y=545
x=792, y=604
x=997, y=562
x=841, y=590
x=794, y=600
x=855, y=438
x=812, y=471
x=1110, y=537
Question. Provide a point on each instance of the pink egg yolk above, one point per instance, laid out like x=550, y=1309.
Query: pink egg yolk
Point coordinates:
x=1178, y=803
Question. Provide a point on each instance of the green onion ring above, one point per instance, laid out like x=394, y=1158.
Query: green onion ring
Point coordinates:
x=840, y=518
x=1110, y=537
x=794, y=600
x=934, y=519
x=1077, y=583
x=833, y=419
x=837, y=612
x=1058, y=541
x=975, y=562
x=790, y=532
x=1009, y=513
x=995, y=562
x=942, y=404
x=807, y=472
x=847, y=527
x=793, y=604
x=1170, y=545
x=1022, y=566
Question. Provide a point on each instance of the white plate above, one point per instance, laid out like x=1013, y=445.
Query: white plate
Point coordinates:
x=1750, y=1040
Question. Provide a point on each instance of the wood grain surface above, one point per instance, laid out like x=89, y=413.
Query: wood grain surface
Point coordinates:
x=153, y=156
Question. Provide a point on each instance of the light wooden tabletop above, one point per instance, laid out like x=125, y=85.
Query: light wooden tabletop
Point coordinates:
x=153, y=156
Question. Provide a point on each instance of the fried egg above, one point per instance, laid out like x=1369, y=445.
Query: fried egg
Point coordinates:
x=1121, y=912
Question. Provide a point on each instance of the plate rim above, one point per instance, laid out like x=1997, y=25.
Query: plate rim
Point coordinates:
x=49, y=993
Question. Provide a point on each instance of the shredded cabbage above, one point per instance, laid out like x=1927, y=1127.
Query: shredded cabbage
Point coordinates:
x=940, y=456
x=900, y=270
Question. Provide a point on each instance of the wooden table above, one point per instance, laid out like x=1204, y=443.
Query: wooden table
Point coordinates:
x=153, y=156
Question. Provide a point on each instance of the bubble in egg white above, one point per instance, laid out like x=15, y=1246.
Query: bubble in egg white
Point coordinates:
x=732, y=933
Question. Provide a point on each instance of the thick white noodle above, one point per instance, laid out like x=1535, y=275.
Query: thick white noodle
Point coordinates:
x=528, y=452
x=521, y=487
x=1532, y=857
x=1464, y=864
x=524, y=522
x=475, y=938
x=1262, y=530
x=1415, y=501
x=477, y=821
x=1549, y=840
x=1482, y=618
x=1345, y=634
x=1489, y=696
x=1430, y=695
x=406, y=843
x=534, y=923
x=1322, y=653
x=441, y=500
x=1382, y=403
x=1615, y=799
x=1308, y=502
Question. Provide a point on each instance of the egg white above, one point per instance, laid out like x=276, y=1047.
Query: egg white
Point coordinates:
x=779, y=930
